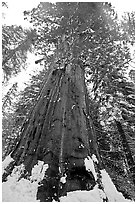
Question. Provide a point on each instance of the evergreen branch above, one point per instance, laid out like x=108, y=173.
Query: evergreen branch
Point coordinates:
x=130, y=60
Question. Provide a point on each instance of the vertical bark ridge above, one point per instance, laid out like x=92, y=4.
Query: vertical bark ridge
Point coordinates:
x=44, y=113
x=26, y=124
x=63, y=128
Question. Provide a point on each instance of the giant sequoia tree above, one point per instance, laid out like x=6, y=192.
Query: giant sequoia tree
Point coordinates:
x=59, y=130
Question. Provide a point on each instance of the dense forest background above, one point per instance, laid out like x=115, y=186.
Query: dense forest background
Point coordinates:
x=104, y=46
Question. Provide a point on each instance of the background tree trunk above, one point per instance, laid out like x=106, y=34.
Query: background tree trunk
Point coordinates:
x=130, y=161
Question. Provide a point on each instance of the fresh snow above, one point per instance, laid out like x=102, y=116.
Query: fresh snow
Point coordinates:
x=15, y=190
x=82, y=196
x=94, y=195
x=72, y=107
x=97, y=195
x=63, y=179
x=94, y=158
x=38, y=171
x=25, y=190
x=21, y=191
x=102, y=109
x=6, y=162
x=102, y=123
x=17, y=172
x=110, y=189
x=90, y=166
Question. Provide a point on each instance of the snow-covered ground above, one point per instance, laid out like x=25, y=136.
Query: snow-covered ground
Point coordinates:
x=26, y=190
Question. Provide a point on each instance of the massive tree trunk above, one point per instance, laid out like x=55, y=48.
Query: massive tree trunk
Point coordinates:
x=60, y=133
x=127, y=151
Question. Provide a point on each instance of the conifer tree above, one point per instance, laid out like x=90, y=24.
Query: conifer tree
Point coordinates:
x=59, y=130
x=16, y=42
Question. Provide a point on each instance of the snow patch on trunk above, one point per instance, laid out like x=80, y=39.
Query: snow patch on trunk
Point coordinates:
x=38, y=171
x=63, y=179
x=16, y=173
x=94, y=158
x=90, y=166
x=6, y=162
x=110, y=189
